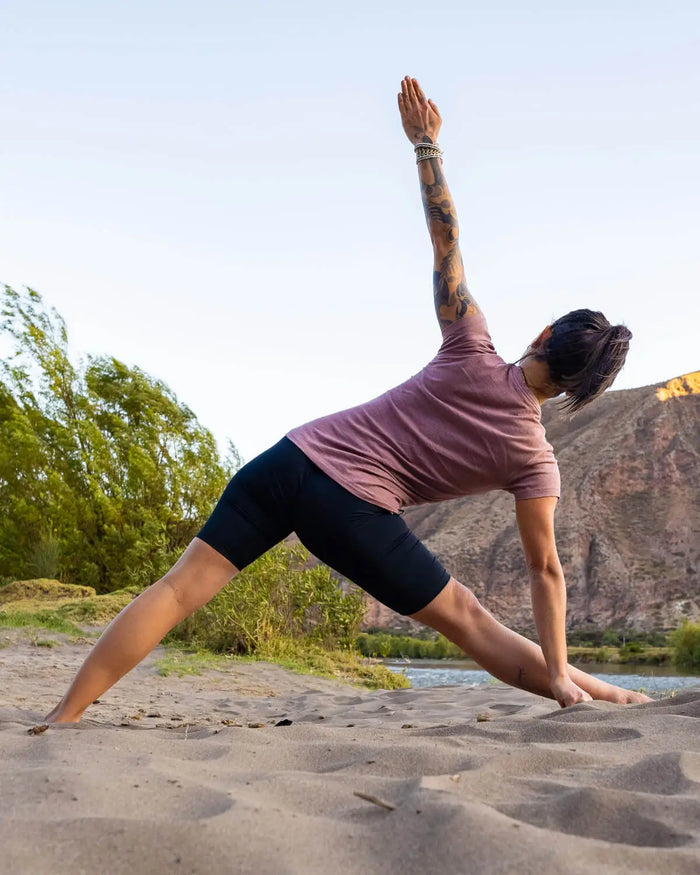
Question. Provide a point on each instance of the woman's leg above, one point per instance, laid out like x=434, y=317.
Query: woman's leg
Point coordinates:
x=458, y=615
x=195, y=578
x=253, y=514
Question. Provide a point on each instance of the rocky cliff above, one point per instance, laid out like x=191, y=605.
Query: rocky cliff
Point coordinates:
x=628, y=522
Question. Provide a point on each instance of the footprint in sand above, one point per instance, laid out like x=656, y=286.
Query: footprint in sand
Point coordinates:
x=70, y=794
x=611, y=816
x=668, y=774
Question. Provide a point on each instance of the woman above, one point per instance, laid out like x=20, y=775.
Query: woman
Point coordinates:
x=467, y=423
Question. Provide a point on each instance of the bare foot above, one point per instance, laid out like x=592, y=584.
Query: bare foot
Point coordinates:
x=55, y=716
x=630, y=697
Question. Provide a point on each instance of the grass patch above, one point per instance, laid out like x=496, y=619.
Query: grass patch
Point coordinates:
x=339, y=664
x=97, y=611
x=63, y=614
x=43, y=589
x=301, y=657
x=182, y=662
x=50, y=620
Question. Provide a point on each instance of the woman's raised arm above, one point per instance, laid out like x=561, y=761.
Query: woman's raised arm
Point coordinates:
x=421, y=122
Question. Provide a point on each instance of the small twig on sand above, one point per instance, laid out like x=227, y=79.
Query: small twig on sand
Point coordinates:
x=375, y=800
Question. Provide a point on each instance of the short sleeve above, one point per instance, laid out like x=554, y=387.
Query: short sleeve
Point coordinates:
x=467, y=335
x=539, y=479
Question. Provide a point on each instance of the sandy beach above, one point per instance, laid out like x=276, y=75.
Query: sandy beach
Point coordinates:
x=194, y=775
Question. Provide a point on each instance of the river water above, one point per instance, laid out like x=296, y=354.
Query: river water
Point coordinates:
x=652, y=679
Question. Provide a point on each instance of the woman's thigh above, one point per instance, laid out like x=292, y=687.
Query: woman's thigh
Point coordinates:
x=370, y=546
x=255, y=510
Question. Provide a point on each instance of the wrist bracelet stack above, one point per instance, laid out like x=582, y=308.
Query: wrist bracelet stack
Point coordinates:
x=425, y=151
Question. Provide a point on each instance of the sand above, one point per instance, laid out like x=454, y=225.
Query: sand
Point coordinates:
x=192, y=775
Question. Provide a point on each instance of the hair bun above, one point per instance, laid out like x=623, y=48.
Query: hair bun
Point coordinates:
x=620, y=333
x=584, y=353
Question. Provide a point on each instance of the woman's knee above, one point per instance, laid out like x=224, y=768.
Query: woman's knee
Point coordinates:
x=198, y=575
x=454, y=605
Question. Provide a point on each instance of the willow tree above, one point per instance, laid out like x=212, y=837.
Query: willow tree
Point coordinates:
x=104, y=475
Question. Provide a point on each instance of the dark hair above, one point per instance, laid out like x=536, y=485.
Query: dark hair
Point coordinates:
x=584, y=353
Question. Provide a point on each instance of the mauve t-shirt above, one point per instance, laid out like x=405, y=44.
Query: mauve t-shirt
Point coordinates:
x=467, y=423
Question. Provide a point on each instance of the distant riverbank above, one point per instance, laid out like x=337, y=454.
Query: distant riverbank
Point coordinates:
x=652, y=679
x=679, y=649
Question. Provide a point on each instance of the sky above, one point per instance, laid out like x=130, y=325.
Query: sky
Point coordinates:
x=221, y=193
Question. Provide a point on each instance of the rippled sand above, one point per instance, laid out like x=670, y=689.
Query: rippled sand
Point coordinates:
x=191, y=775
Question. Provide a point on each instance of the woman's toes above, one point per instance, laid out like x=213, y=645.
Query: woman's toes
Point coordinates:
x=634, y=698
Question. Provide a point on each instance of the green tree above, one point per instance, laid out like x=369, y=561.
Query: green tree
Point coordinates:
x=103, y=473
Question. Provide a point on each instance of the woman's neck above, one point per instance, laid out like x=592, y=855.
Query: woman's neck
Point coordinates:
x=536, y=374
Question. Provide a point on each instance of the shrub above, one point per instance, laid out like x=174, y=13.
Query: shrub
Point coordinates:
x=276, y=598
x=611, y=638
x=685, y=642
x=657, y=639
x=603, y=654
x=45, y=557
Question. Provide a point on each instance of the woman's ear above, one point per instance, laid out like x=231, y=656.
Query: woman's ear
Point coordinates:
x=542, y=337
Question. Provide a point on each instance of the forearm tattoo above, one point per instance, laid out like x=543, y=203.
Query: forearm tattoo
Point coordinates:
x=452, y=298
x=440, y=212
x=450, y=292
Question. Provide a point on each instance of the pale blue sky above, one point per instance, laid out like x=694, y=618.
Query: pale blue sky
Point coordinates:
x=222, y=194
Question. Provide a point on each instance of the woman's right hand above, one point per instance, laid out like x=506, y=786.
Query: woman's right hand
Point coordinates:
x=567, y=693
x=420, y=117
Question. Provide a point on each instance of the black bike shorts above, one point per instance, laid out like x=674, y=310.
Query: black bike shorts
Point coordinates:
x=283, y=491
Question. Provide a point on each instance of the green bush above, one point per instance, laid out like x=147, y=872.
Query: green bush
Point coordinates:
x=657, y=639
x=277, y=598
x=385, y=645
x=611, y=638
x=685, y=642
x=614, y=637
x=45, y=558
x=603, y=654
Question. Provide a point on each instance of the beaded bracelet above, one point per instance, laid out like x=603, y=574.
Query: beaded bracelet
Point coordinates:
x=426, y=151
